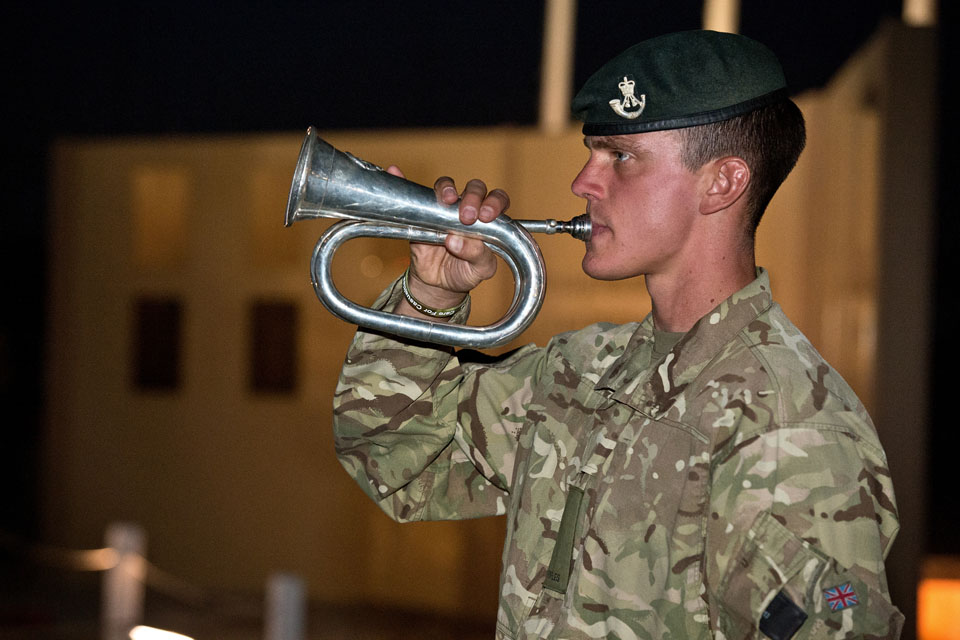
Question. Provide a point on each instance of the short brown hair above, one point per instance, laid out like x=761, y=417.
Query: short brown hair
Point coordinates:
x=769, y=139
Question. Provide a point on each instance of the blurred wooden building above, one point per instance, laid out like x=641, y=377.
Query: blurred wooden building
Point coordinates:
x=191, y=367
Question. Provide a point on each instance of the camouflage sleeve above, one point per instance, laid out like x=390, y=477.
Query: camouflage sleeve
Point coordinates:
x=802, y=517
x=426, y=435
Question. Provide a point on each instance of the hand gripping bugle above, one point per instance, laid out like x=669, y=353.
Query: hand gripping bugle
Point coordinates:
x=373, y=203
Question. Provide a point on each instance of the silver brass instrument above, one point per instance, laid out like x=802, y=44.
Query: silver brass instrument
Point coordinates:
x=373, y=203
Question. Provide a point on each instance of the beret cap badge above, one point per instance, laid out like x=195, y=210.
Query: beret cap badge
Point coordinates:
x=620, y=107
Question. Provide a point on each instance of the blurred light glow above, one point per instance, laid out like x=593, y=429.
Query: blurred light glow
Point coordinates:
x=141, y=632
x=371, y=266
x=938, y=600
x=97, y=559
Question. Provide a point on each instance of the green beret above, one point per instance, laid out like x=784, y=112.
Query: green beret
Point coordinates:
x=679, y=80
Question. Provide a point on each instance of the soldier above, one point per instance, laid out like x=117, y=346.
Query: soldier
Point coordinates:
x=701, y=473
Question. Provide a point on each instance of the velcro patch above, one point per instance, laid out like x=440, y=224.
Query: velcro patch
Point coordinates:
x=841, y=597
x=782, y=618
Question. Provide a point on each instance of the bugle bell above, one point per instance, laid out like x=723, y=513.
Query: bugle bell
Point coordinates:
x=329, y=183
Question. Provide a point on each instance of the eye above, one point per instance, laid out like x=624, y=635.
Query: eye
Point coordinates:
x=621, y=156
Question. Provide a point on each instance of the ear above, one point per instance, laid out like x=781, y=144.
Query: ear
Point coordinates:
x=728, y=179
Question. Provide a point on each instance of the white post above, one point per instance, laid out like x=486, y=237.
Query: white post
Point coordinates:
x=286, y=608
x=721, y=15
x=920, y=13
x=123, y=584
x=556, y=65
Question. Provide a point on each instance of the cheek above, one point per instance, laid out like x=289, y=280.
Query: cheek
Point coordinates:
x=670, y=205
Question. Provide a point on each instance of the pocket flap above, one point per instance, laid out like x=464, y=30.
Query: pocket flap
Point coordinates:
x=782, y=585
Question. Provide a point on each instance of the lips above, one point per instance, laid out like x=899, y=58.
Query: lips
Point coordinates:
x=597, y=228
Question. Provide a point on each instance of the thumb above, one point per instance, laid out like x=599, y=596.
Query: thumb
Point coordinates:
x=454, y=245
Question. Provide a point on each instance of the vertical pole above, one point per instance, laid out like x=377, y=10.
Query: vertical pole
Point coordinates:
x=907, y=229
x=556, y=66
x=721, y=15
x=123, y=584
x=920, y=13
x=285, y=608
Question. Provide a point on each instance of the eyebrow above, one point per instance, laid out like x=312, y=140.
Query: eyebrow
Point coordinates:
x=611, y=142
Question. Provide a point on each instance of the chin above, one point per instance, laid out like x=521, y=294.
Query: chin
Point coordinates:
x=601, y=271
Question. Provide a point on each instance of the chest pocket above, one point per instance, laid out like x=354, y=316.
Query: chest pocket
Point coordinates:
x=643, y=538
x=580, y=486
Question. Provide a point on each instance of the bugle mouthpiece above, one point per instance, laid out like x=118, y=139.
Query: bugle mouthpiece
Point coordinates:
x=578, y=227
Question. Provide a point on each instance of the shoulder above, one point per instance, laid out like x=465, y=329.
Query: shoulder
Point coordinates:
x=773, y=364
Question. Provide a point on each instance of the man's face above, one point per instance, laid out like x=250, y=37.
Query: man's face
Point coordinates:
x=642, y=203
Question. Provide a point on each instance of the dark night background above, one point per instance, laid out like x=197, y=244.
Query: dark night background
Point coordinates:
x=189, y=67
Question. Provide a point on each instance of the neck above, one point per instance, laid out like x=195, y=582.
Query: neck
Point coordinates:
x=679, y=300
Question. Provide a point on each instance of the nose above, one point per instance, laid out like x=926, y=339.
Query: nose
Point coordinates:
x=585, y=185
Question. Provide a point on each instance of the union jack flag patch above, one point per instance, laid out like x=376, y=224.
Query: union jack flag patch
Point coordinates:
x=841, y=597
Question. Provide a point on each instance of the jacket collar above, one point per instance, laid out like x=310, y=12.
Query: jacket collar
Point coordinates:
x=652, y=388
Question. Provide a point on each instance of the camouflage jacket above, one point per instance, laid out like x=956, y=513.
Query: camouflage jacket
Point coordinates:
x=733, y=487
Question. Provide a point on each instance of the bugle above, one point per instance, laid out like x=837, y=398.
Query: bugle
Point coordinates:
x=329, y=183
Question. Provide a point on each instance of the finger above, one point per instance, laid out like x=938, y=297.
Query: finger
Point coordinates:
x=470, y=200
x=474, y=251
x=394, y=170
x=496, y=202
x=446, y=190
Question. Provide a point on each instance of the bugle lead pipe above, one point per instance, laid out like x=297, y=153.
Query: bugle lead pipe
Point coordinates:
x=578, y=227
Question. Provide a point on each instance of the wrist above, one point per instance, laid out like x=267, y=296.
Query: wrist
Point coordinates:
x=429, y=300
